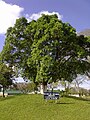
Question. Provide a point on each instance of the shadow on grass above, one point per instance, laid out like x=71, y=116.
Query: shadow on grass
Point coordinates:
x=6, y=98
x=59, y=102
x=65, y=103
x=78, y=98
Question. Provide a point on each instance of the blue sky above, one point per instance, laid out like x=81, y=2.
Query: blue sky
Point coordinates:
x=76, y=12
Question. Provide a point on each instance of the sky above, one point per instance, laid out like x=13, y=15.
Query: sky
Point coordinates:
x=76, y=12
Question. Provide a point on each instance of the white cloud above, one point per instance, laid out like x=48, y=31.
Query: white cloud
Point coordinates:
x=35, y=16
x=8, y=15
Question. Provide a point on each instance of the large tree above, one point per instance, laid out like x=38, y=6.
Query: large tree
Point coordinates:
x=46, y=50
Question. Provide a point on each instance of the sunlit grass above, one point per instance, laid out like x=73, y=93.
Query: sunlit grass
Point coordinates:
x=34, y=107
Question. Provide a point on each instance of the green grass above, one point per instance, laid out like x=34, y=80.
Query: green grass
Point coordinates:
x=34, y=107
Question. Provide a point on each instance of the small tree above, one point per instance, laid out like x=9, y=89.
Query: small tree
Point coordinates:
x=77, y=82
x=6, y=75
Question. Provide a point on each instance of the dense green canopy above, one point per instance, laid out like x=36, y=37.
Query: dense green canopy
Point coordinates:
x=46, y=50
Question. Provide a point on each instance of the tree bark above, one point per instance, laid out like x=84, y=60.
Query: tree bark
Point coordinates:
x=43, y=87
x=3, y=92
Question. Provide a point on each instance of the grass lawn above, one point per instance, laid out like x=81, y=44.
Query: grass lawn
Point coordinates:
x=34, y=107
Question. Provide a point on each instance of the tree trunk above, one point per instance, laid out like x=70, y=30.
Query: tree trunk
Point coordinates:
x=3, y=92
x=43, y=87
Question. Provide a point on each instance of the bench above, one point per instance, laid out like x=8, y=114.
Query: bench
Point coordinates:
x=51, y=95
